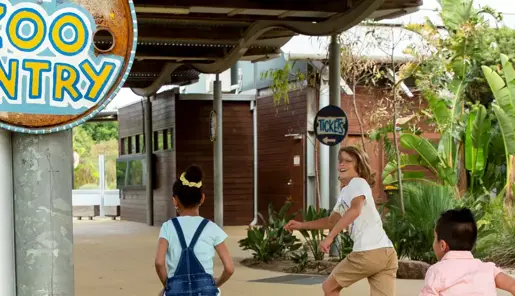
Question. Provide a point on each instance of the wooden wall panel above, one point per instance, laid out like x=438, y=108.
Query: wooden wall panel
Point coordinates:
x=195, y=147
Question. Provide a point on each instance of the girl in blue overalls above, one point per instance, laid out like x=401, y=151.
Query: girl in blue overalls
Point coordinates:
x=187, y=244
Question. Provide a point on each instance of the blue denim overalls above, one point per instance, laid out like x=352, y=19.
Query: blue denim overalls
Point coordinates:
x=190, y=278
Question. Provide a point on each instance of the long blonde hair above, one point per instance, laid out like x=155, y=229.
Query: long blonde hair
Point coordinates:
x=362, y=163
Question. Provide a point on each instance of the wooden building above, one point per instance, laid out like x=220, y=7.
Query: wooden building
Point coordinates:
x=182, y=137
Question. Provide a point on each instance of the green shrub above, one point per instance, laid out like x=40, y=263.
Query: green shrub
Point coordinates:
x=345, y=245
x=271, y=241
x=413, y=233
x=314, y=237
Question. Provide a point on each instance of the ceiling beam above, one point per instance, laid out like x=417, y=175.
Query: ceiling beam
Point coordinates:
x=187, y=53
x=296, y=5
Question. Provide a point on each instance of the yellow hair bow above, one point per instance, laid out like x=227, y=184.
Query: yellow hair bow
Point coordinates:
x=185, y=182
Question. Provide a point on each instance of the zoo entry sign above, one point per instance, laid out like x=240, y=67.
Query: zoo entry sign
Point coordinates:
x=331, y=125
x=62, y=61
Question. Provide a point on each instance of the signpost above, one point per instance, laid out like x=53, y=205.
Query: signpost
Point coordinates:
x=331, y=125
x=61, y=62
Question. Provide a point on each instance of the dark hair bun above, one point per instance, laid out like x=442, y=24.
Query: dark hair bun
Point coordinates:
x=194, y=173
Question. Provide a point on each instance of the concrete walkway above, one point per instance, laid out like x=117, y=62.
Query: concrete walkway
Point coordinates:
x=116, y=258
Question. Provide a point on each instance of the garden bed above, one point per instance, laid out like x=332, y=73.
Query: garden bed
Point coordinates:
x=407, y=269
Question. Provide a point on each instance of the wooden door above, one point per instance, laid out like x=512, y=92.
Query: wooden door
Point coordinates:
x=296, y=180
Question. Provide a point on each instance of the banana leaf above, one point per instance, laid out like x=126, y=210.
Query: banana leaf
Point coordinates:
x=477, y=140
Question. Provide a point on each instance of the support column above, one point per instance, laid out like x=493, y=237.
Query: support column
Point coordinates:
x=325, y=196
x=42, y=173
x=7, y=254
x=335, y=99
x=149, y=150
x=101, y=183
x=218, y=153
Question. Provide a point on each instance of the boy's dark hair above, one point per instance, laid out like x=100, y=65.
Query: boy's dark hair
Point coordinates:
x=188, y=187
x=458, y=229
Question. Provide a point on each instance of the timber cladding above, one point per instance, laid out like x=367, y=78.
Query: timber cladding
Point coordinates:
x=194, y=147
x=133, y=203
x=186, y=124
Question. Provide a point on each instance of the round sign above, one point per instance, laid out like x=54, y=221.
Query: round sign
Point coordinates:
x=331, y=125
x=76, y=159
x=62, y=61
x=212, y=126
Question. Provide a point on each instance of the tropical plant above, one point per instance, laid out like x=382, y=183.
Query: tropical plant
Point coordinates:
x=413, y=233
x=271, y=241
x=504, y=109
x=345, y=245
x=315, y=236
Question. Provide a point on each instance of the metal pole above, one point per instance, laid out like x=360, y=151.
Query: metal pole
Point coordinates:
x=43, y=213
x=324, y=149
x=218, y=153
x=255, y=148
x=149, y=149
x=101, y=170
x=7, y=254
x=335, y=99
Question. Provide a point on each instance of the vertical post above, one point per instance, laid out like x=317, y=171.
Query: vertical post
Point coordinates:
x=7, y=254
x=325, y=196
x=335, y=99
x=149, y=149
x=43, y=213
x=101, y=170
x=255, y=148
x=218, y=153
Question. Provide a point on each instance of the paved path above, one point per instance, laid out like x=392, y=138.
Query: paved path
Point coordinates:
x=116, y=258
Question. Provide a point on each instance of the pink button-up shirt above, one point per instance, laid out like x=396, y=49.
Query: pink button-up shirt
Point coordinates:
x=458, y=273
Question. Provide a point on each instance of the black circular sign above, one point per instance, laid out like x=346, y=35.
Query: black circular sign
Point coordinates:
x=331, y=125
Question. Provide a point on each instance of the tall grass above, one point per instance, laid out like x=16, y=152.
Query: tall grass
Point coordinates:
x=412, y=234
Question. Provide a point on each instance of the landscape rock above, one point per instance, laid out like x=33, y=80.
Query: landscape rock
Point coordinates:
x=413, y=270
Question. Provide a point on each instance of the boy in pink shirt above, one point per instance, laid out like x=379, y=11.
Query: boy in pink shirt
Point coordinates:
x=457, y=273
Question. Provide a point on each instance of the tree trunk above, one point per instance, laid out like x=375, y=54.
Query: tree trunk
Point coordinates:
x=397, y=151
x=358, y=117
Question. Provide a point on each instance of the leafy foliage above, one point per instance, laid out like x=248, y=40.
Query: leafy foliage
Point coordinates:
x=271, y=241
x=91, y=140
x=281, y=81
x=314, y=237
x=413, y=233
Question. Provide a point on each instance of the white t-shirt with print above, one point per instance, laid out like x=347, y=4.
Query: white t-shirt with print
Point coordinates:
x=366, y=231
x=211, y=236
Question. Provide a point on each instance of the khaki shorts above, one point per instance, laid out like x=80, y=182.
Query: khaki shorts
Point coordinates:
x=379, y=266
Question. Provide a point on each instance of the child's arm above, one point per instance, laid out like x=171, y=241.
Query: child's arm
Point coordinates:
x=224, y=255
x=160, y=262
x=350, y=215
x=505, y=282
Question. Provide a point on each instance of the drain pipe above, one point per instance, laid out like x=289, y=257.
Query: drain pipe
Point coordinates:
x=253, y=108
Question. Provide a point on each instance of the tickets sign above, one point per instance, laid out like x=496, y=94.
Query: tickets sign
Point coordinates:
x=331, y=125
x=55, y=69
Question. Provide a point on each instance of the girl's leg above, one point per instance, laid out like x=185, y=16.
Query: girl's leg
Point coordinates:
x=383, y=283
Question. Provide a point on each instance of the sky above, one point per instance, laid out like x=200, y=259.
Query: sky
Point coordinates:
x=507, y=7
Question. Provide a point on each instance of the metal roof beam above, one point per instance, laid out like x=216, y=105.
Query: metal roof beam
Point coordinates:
x=296, y=5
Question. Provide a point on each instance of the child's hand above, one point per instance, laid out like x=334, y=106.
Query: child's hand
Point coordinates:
x=325, y=245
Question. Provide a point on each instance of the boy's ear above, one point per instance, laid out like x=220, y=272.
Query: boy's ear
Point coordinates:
x=444, y=247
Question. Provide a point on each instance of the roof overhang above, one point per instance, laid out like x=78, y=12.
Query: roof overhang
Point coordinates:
x=179, y=39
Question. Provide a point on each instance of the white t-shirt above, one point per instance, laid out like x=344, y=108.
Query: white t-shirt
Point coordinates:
x=211, y=236
x=366, y=231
